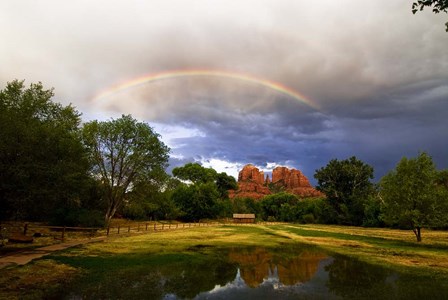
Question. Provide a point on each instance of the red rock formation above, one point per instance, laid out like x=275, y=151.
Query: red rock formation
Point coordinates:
x=252, y=174
x=294, y=182
x=290, y=179
x=253, y=184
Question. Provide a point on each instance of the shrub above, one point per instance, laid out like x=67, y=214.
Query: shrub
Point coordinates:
x=308, y=219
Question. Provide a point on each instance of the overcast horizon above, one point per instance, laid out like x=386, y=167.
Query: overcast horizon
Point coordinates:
x=290, y=83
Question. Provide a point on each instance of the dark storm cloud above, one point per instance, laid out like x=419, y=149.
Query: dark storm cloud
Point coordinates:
x=378, y=73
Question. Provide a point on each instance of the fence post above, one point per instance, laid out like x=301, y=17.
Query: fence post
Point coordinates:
x=163, y=226
x=108, y=228
x=63, y=232
x=129, y=228
x=25, y=228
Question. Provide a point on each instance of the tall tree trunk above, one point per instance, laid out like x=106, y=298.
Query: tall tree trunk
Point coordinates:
x=110, y=214
x=417, y=232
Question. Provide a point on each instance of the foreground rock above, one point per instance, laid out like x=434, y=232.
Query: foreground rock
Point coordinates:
x=252, y=183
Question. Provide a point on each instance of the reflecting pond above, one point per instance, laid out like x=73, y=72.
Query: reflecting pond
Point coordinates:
x=290, y=272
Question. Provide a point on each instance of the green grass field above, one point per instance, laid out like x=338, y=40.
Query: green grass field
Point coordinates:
x=394, y=249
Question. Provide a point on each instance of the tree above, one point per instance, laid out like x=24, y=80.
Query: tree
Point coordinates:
x=197, y=201
x=43, y=164
x=278, y=206
x=442, y=179
x=123, y=152
x=438, y=6
x=205, y=195
x=347, y=185
x=411, y=196
x=195, y=173
x=151, y=199
x=224, y=183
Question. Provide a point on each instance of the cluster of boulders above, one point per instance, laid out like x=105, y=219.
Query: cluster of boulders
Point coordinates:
x=252, y=183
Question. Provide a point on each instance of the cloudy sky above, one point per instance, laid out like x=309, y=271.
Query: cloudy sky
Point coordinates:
x=372, y=77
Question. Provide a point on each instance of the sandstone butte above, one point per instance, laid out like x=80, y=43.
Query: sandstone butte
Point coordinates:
x=253, y=184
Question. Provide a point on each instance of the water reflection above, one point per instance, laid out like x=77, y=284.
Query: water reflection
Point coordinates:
x=291, y=265
x=252, y=273
x=292, y=273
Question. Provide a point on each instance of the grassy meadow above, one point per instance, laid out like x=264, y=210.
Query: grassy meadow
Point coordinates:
x=395, y=249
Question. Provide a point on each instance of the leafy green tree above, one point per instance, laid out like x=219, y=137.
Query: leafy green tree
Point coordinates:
x=205, y=194
x=346, y=183
x=195, y=173
x=123, y=152
x=246, y=206
x=151, y=199
x=198, y=201
x=43, y=164
x=411, y=196
x=278, y=206
x=224, y=183
x=310, y=210
x=442, y=179
x=438, y=6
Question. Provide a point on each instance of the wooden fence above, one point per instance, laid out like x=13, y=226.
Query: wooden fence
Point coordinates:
x=141, y=227
x=28, y=229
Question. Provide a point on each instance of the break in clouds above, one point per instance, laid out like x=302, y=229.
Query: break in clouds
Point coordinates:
x=378, y=74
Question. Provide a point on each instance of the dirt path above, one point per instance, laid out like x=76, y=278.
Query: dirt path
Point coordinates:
x=22, y=258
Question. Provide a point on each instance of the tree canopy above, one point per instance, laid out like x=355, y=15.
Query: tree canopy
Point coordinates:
x=412, y=196
x=43, y=163
x=195, y=173
x=346, y=183
x=123, y=152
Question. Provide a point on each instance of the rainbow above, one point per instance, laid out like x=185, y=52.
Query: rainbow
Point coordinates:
x=276, y=86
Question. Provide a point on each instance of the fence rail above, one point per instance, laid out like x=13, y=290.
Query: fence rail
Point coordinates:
x=16, y=229
x=141, y=227
x=9, y=229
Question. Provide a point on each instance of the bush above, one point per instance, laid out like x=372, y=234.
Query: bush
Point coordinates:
x=271, y=219
x=308, y=219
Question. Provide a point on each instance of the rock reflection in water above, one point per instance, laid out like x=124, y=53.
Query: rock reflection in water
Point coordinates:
x=293, y=273
x=291, y=266
x=271, y=287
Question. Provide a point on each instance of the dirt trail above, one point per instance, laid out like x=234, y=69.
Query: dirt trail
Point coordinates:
x=22, y=258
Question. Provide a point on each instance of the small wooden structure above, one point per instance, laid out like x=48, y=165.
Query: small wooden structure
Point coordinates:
x=243, y=218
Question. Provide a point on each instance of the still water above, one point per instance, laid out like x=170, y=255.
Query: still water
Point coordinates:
x=253, y=273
